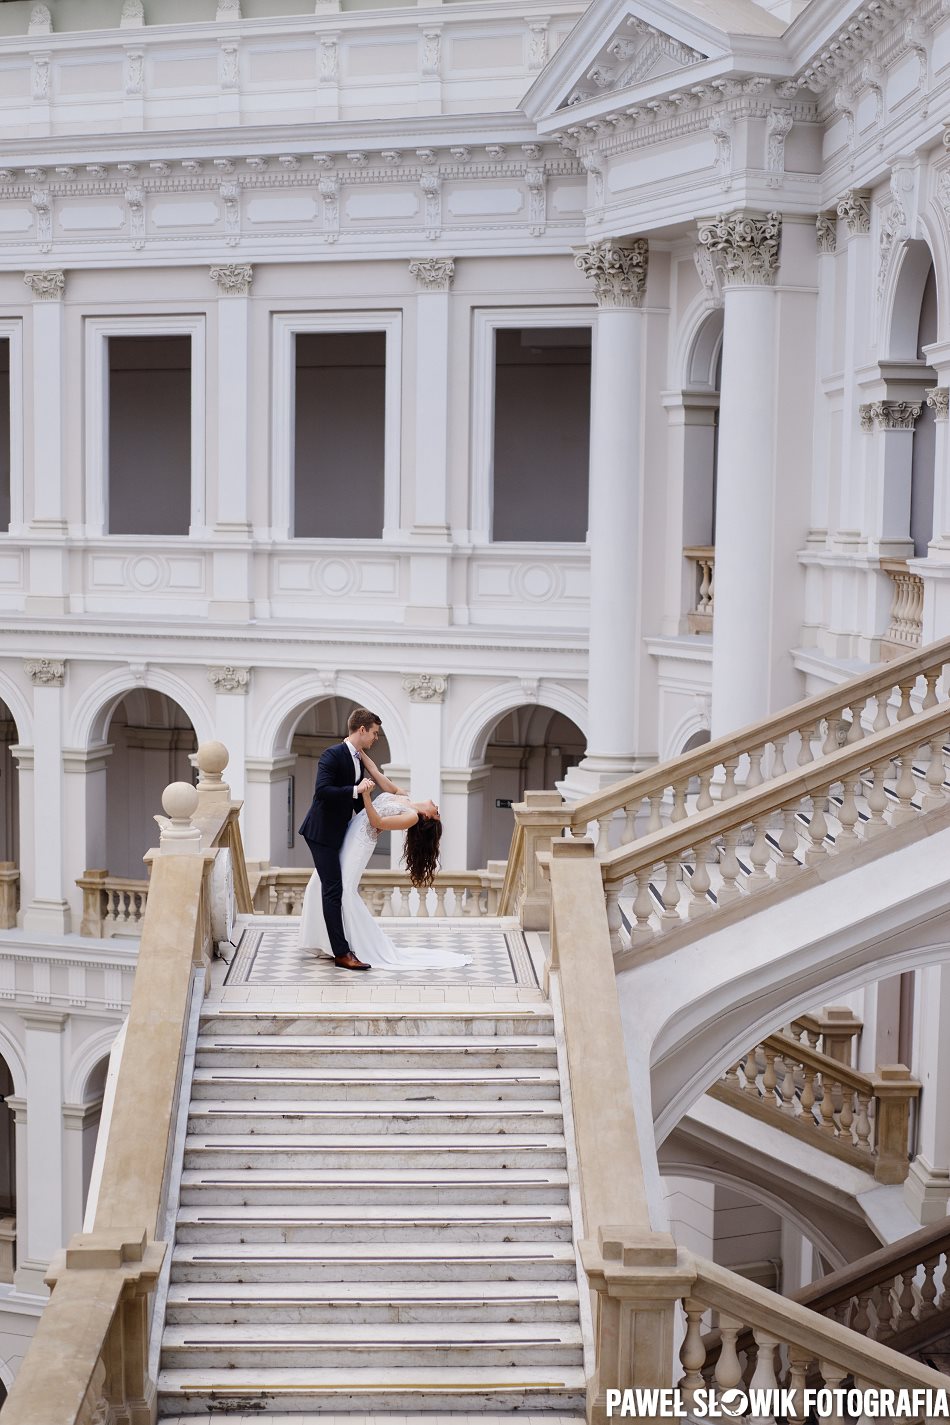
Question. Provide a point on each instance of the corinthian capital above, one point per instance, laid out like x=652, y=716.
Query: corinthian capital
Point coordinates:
x=45, y=672
x=855, y=209
x=938, y=399
x=433, y=274
x=746, y=249
x=890, y=415
x=618, y=271
x=233, y=280
x=46, y=286
x=425, y=687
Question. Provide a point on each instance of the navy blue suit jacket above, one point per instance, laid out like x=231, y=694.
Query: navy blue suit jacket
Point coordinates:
x=333, y=802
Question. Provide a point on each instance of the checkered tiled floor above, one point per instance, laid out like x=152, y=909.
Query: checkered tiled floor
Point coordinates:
x=267, y=954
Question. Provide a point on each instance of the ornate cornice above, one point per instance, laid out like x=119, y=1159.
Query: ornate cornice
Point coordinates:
x=47, y=286
x=890, y=415
x=618, y=271
x=938, y=399
x=855, y=209
x=233, y=280
x=45, y=672
x=229, y=679
x=425, y=687
x=746, y=249
x=826, y=231
x=433, y=274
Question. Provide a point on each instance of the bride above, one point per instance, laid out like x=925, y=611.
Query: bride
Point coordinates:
x=367, y=939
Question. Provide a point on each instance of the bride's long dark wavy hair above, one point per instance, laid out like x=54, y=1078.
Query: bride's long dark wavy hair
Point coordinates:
x=421, y=855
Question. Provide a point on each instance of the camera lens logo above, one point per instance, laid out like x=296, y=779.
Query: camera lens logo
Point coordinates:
x=733, y=1403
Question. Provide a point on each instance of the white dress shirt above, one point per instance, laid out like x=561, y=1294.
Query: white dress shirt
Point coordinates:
x=357, y=764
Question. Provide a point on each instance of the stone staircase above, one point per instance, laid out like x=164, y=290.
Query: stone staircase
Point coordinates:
x=374, y=1217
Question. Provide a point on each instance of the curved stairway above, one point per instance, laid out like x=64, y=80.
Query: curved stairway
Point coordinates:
x=374, y=1218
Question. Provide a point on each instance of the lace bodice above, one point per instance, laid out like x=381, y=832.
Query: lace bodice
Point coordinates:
x=360, y=829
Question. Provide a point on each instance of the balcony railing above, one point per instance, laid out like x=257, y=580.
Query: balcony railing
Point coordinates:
x=905, y=624
x=700, y=619
x=280, y=891
x=9, y=894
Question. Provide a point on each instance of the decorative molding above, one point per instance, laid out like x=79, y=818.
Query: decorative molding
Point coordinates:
x=233, y=280
x=48, y=286
x=43, y=206
x=39, y=77
x=538, y=45
x=228, y=71
x=746, y=249
x=431, y=184
x=134, y=72
x=855, y=209
x=938, y=399
x=890, y=415
x=431, y=53
x=536, y=181
x=135, y=201
x=425, y=687
x=41, y=21
x=133, y=15
x=721, y=126
x=630, y=56
x=893, y=225
x=618, y=272
x=826, y=231
x=433, y=274
x=329, y=60
x=778, y=125
x=45, y=672
x=228, y=10
x=229, y=679
x=231, y=198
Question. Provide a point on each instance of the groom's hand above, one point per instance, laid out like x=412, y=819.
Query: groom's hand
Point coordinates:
x=366, y=785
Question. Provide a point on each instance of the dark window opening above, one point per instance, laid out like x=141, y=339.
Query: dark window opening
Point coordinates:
x=149, y=435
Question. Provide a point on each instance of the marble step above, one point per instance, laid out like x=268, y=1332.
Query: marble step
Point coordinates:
x=391, y=1020
x=357, y=1347
x=368, y=1223
x=207, y=1116
x=369, y=1051
x=444, y=1261
x=320, y=1152
x=278, y=1301
x=265, y=1185
x=346, y=1084
x=251, y=1394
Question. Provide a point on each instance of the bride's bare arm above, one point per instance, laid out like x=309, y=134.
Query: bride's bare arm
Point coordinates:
x=389, y=823
x=384, y=783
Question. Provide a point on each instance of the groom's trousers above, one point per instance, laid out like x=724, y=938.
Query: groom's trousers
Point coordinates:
x=327, y=861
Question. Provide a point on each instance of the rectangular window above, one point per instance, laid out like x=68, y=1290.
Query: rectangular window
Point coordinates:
x=5, y=462
x=149, y=434
x=339, y=434
x=542, y=433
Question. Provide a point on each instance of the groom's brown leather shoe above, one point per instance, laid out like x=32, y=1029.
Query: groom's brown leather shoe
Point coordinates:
x=350, y=962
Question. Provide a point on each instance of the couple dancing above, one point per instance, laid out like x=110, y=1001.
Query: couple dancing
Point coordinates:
x=335, y=918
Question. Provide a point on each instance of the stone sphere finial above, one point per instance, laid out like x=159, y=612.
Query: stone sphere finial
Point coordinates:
x=212, y=758
x=180, y=800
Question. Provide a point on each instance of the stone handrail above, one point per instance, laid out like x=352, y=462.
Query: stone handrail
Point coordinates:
x=862, y=1119
x=779, y=862
x=88, y=1359
x=280, y=891
x=685, y=786
x=9, y=894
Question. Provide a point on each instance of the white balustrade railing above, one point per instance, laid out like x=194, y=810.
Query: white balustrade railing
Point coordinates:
x=112, y=905
x=861, y=1118
x=700, y=618
x=906, y=620
x=702, y=867
x=280, y=891
x=9, y=894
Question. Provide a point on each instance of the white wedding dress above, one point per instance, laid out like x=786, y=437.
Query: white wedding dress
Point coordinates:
x=366, y=937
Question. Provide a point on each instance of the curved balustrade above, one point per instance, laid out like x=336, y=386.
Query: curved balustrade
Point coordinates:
x=864, y=1120
x=689, y=877
x=391, y=893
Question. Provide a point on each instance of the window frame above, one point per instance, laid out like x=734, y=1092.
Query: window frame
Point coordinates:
x=98, y=330
x=286, y=326
x=488, y=320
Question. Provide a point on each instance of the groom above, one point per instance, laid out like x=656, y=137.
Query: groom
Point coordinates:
x=342, y=777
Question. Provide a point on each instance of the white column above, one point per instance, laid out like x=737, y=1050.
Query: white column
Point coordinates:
x=27, y=796
x=927, y=1188
x=48, y=911
x=47, y=519
x=619, y=274
x=935, y=571
x=25, y=1279
x=231, y=685
x=430, y=561
x=746, y=251
x=265, y=806
x=426, y=697
x=44, y=1142
x=232, y=592
x=80, y=1127
x=84, y=799
x=854, y=210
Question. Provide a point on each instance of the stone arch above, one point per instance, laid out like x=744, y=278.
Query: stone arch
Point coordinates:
x=698, y=344
x=152, y=741
x=86, y=1060
x=280, y=717
x=470, y=736
x=94, y=710
x=20, y=709
x=6, y=1378
x=902, y=297
x=12, y=1055
x=686, y=734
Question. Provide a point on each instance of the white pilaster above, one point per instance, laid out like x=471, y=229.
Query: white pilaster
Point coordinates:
x=927, y=1188
x=80, y=1127
x=464, y=816
x=44, y=1097
x=84, y=800
x=26, y=1279
x=619, y=274
x=746, y=250
x=47, y=519
x=854, y=212
x=265, y=806
x=48, y=911
x=232, y=569
x=935, y=569
x=429, y=569
x=231, y=686
x=426, y=698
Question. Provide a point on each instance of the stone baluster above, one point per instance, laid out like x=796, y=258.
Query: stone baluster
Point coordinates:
x=728, y=1370
x=928, y=1289
x=760, y=854
x=877, y=801
x=704, y=797
x=787, y=1090
x=904, y=1300
x=750, y=1071
x=729, y=869
x=817, y=831
x=833, y=1377
x=848, y=817
x=729, y=788
x=699, y=885
x=670, y=894
x=862, y=1122
x=643, y=931
x=788, y=844
x=881, y=717
x=440, y=893
x=935, y=777
x=654, y=822
x=629, y=823
x=692, y=1351
x=614, y=918
x=799, y=1362
x=679, y=802
x=778, y=756
x=754, y=778
x=904, y=789
x=826, y=1105
x=763, y=1377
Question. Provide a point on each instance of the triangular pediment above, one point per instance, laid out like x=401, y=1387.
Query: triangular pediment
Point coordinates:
x=629, y=45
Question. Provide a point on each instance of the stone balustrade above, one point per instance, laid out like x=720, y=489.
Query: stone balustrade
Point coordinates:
x=833, y=1030
x=112, y=905
x=7, y=1249
x=748, y=760
x=9, y=894
x=906, y=620
x=700, y=618
x=391, y=893
x=862, y=1119
x=701, y=871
